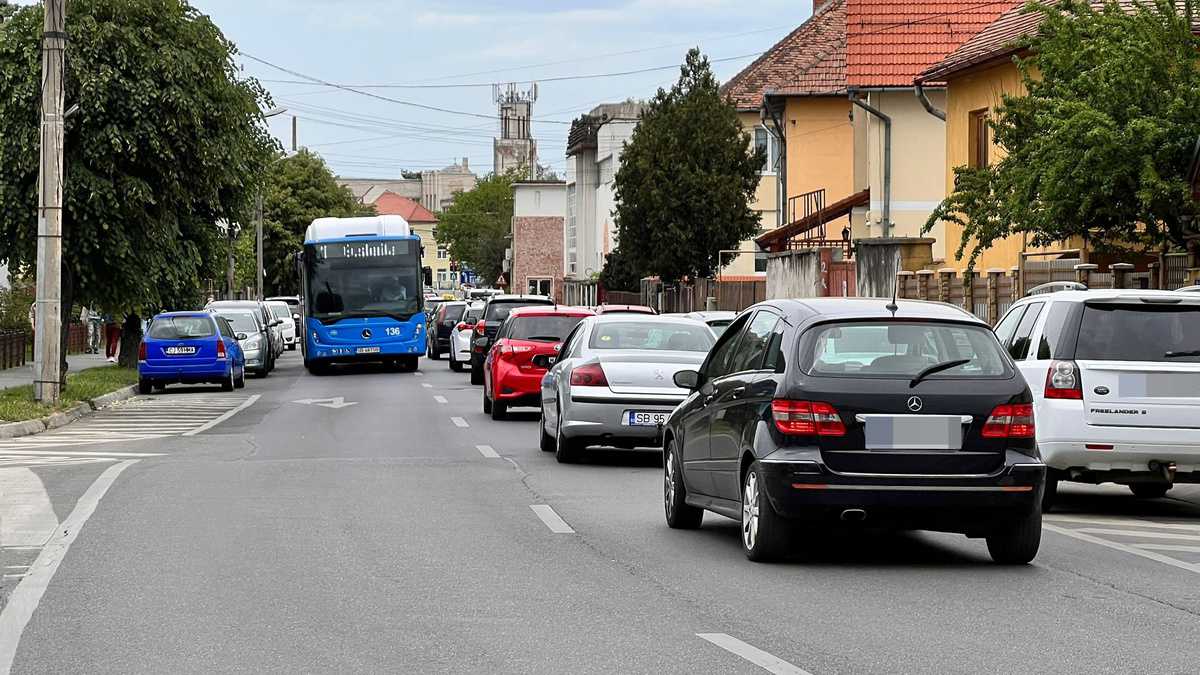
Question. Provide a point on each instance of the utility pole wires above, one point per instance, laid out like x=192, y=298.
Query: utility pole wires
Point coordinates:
x=47, y=357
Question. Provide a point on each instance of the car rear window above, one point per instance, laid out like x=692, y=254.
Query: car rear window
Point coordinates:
x=718, y=327
x=473, y=314
x=1143, y=332
x=181, y=328
x=499, y=311
x=652, y=336
x=541, y=328
x=455, y=312
x=242, y=322
x=904, y=349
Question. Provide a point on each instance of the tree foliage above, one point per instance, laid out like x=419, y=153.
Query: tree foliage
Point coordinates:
x=687, y=179
x=620, y=273
x=477, y=227
x=168, y=139
x=298, y=190
x=1100, y=145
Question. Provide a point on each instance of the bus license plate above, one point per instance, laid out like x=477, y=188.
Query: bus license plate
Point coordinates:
x=368, y=350
x=179, y=351
x=644, y=418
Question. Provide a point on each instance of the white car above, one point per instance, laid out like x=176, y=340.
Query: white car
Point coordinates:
x=281, y=311
x=1115, y=376
x=461, y=335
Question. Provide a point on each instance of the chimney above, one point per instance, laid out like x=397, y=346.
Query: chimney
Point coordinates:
x=465, y=164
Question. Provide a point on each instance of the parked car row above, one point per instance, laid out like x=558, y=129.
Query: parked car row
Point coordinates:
x=216, y=345
x=893, y=414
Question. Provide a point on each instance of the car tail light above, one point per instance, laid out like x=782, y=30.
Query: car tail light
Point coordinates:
x=141, y=351
x=1010, y=421
x=507, y=348
x=220, y=349
x=1063, y=381
x=480, y=328
x=589, y=375
x=461, y=326
x=806, y=418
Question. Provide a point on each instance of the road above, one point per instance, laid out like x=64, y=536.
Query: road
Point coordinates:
x=295, y=532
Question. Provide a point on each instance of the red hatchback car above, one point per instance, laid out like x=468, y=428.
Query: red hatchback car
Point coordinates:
x=509, y=376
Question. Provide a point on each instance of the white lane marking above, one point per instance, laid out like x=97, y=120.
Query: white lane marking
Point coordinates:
x=26, y=596
x=14, y=576
x=427, y=385
x=764, y=660
x=1140, y=533
x=81, y=453
x=1166, y=560
x=26, y=516
x=16, y=567
x=419, y=374
x=459, y=422
x=488, y=451
x=212, y=423
x=1178, y=548
x=1123, y=522
x=552, y=520
x=440, y=399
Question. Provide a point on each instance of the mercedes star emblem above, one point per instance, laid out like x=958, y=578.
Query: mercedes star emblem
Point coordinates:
x=915, y=403
x=366, y=333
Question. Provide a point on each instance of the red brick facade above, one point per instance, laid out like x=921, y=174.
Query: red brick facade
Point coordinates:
x=537, y=252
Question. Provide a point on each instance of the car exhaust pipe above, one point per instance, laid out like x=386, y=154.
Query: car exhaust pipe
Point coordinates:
x=854, y=515
x=1167, y=469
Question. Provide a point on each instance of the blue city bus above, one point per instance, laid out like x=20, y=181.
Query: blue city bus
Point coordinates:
x=363, y=288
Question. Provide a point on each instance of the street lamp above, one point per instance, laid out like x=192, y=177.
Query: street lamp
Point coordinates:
x=258, y=206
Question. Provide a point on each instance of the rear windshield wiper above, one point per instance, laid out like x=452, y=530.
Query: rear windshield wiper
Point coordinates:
x=360, y=314
x=1173, y=355
x=937, y=368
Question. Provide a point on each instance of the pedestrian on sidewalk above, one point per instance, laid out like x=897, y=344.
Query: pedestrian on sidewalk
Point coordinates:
x=112, y=338
x=91, y=320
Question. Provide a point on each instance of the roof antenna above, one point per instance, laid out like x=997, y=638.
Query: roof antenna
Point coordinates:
x=892, y=306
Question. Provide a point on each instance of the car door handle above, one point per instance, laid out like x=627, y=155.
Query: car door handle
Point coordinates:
x=709, y=399
x=737, y=393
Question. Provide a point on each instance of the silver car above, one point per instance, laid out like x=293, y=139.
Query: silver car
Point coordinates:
x=718, y=320
x=613, y=381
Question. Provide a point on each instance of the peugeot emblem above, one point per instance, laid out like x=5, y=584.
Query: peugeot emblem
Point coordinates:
x=915, y=403
x=658, y=375
x=366, y=333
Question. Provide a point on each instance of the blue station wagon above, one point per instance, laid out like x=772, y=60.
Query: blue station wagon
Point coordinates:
x=190, y=348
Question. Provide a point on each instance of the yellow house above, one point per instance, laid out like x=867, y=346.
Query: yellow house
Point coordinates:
x=862, y=157
x=423, y=223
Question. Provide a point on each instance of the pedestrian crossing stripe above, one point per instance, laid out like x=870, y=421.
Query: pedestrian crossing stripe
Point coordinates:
x=1143, y=538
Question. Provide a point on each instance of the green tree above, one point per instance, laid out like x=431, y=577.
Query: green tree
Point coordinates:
x=619, y=273
x=477, y=227
x=298, y=190
x=1100, y=145
x=687, y=179
x=169, y=138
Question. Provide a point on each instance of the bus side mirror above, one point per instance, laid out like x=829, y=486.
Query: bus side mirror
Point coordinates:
x=428, y=272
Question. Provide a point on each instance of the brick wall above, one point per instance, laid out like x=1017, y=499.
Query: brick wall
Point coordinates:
x=537, y=251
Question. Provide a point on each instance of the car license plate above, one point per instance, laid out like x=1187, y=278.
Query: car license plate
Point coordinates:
x=367, y=350
x=644, y=418
x=179, y=351
x=913, y=432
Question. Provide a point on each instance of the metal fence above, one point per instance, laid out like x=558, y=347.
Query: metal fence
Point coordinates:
x=13, y=346
x=731, y=296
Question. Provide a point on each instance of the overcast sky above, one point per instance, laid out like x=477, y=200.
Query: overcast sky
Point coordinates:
x=366, y=42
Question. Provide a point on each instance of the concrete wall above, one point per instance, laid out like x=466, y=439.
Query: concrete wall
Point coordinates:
x=583, y=174
x=539, y=199
x=918, y=166
x=794, y=274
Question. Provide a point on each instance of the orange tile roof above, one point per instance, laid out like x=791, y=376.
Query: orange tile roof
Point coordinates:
x=889, y=43
x=810, y=60
x=392, y=204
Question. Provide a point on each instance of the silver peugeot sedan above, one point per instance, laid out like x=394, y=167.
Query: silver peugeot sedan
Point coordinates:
x=612, y=382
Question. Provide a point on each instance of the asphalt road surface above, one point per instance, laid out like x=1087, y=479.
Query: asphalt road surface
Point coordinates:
x=374, y=521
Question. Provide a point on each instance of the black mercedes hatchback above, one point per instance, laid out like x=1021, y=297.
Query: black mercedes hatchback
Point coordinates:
x=861, y=413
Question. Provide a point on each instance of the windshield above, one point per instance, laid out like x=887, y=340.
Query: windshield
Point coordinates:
x=1112, y=332
x=542, y=328
x=368, y=278
x=645, y=335
x=903, y=350
x=181, y=328
x=242, y=322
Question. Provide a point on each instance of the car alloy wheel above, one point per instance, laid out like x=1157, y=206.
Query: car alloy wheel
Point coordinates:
x=763, y=530
x=750, y=512
x=680, y=514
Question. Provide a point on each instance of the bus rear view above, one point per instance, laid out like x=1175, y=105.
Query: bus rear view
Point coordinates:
x=363, y=285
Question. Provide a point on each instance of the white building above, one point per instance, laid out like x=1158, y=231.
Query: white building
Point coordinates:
x=594, y=148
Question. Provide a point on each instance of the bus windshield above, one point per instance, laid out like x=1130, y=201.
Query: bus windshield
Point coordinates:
x=364, y=278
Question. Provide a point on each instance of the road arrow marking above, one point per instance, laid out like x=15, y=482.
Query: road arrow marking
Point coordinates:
x=336, y=402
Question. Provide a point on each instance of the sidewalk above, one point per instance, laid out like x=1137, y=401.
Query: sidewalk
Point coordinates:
x=15, y=377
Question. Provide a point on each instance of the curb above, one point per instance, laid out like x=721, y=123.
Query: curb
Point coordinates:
x=61, y=419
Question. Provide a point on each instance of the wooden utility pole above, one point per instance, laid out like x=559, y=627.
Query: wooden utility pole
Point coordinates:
x=47, y=349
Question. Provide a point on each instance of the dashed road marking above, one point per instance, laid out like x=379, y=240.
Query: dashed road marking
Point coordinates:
x=427, y=385
x=766, y=661
x=1127, y=548
x=459, y=422
x=440, y=399
x=551, y=519
x=488, y=451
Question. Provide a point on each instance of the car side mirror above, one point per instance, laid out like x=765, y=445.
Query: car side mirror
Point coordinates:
x=687, y=379
x=546, y=361
x=277, y=322
x=242, y=336
x=296, y=317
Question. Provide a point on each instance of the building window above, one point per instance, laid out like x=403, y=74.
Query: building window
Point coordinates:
x=443, y=253
x=979, y=139
x=760, y=262
x=766, y=140
x=446, y=279
x=569, y=238
x=540, y=286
